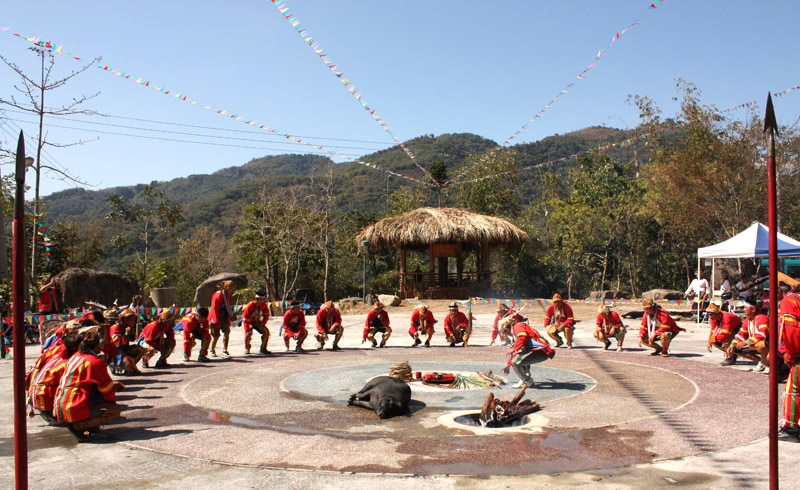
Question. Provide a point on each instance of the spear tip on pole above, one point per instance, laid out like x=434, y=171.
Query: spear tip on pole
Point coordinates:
x=770, y=123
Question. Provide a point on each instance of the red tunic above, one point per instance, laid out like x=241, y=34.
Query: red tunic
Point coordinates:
x=250, y=313
x=193, y=321
x=417, y=319
x=294, y=322
x=613, y=321
x=48, y=300
x=723, y=329
x=789, y=310
x=221, y=310
x=528, y=339
x=57, y=349
x=83, y=372
x=118, y=337
x=460, y=322
x=561, y=314
x=327, y=319
x=45, y=383
x=383, y=316
x=753, y=331
x=659, y=323
x=153, y=335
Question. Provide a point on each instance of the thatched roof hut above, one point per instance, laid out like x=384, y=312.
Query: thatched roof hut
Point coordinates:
x=445, y=233
x=419, y=228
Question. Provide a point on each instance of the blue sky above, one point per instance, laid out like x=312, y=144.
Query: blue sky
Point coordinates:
x=425, y=67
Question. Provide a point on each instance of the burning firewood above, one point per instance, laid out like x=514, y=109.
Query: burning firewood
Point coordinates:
x=499, y=413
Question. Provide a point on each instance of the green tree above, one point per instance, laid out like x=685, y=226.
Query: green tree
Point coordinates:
x=496, y=196
x=153, y=216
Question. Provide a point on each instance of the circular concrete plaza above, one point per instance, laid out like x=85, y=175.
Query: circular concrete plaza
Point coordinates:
x=600, y=409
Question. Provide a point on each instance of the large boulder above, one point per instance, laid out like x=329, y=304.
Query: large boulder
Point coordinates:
x=609, y=294
x=389, y=299
x=81, y=285
x=662, y=294
x=202, y=295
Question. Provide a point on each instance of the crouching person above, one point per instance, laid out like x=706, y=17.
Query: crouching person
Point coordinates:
x=45, y=380
x=125, y=355
x=85, y=398
x=294, y=327
x=422, y=322
x=529, y=348
x=724, y=327
x=609, y=325
x=377, y=322
x=657, y=326
x=751, y=342
x=195, y=326
x=329, y=322
x=255, y=317
x=159, y=337
x=559, y=318
x=456, y=326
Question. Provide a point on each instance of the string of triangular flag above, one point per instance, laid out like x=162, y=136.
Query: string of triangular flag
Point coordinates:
x=57, y=48
x=561, y=93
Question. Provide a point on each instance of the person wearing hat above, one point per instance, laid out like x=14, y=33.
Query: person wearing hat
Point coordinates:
x=377, y=321
x=751, y=341
x=503, y=311
x=125, y=356
x=529, y=348
x=421, y=323
x=159, y=337
x=456, y=326
x=255, y=316
x=85, y=398
x=609, y=325
x=724, y=327
x=789, y=347
x=294, y=326
x=220, y=316
x=329, y=321
x=559, y=318
x=195, y=325
x=657, y=325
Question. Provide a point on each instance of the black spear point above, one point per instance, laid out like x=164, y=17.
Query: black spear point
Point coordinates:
x=20, y=170
x=769, y=118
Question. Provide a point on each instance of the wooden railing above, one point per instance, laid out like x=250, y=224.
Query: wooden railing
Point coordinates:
x=433, y=286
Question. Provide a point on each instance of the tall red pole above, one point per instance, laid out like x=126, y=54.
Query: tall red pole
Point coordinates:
x=771, y=126
x=18, y=287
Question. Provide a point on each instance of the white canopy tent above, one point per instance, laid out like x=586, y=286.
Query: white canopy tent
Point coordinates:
x=752, y=242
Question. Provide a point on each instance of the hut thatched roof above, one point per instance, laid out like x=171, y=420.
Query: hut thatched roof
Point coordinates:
x=423, y=226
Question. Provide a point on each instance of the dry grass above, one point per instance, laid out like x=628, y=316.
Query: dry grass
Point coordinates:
x=423, y=226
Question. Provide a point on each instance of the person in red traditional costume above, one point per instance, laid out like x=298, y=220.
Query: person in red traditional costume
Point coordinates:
x=159, y=337
x=220, y=316
x=43, y=380
x=789, y=347
x=194, y=325
x=456, y=326
x=503, y=311
x=294, y=326
x=49, y=294
x=609, y=325
x=254, y=317
x=657, y=325
x=377, y=321
x=422, y=322
x=529, y=348
x=125, y=356
x=559, y=318
x=724, y=327
x=752, y=340
x=329, y=322
x=85, y=398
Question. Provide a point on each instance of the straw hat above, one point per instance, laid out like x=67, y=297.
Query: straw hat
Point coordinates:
x=166, y=316
x=712, y=308
x=646, y=304
x=126, y=313
x=423, y=308
x=453, y=305
x=378, y=305
x=328, y=304
x=502, y=307
x=557, y=297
